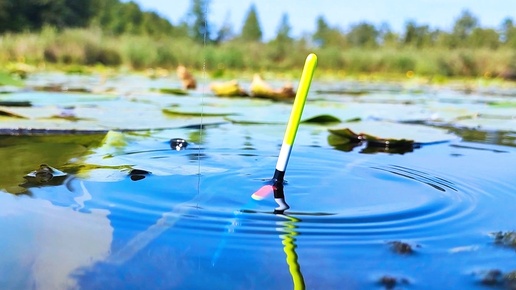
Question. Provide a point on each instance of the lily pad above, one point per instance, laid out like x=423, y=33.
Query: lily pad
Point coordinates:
x=15, y=103
x=173, y=91
x=501, y=104
x=177, y=112
x=8, y=113
x=394, y=138
x=322, y=119
x=7, y=79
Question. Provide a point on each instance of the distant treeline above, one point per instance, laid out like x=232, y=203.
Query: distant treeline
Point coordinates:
x=113, y=33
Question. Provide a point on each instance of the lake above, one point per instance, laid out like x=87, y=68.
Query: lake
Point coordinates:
x=122, y=207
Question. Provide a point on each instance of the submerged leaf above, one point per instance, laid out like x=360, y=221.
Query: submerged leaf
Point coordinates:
x=505, y=238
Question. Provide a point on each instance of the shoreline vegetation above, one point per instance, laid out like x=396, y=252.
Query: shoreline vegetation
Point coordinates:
x=146, y=42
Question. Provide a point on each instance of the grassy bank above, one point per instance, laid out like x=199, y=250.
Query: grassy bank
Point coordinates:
x=91, y=47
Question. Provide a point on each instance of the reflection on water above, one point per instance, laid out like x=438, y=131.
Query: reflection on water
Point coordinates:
x=136, y=212
x=44, y=243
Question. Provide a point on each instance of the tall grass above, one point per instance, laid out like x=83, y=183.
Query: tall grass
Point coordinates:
x=90, y=47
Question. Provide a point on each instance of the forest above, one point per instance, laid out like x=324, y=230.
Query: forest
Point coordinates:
x=114, y=33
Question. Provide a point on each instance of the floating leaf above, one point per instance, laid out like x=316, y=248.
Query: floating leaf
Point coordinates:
x=15, y=103
x=322, y=119
x=173, y=91
x=396, y=138
x=501, y=104
x=228, y=89
x=351, y=92
x=194, y=114
x=8, y=113
x=7, y=79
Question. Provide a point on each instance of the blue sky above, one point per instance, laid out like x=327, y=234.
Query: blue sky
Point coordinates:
x=303, y=13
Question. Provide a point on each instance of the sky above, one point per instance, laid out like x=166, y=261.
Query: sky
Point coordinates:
x=340, y=13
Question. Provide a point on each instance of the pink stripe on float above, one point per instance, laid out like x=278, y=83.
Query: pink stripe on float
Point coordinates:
x=262, y=192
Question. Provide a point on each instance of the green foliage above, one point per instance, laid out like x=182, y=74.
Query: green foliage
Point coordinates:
x=508, y=33
x=116, y=17
x=326, y=36
x=464, y=25
x=363, y=35
x=28, y=15
x=417, y=36
x=115, y=33
x=199, y=27
x=284, y=30
x=79, y=46
x=251, y=30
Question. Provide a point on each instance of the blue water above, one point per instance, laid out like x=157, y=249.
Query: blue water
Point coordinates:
x=192, y=224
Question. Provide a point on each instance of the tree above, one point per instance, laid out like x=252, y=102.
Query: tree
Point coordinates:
x=283, y=32
x=251, y=31
x=484, y=37
x=363, y=35
x=325, y=35
x=117, y=17
x=200, y=29
x=225, y=32
x=20, y=15
x=282, y=44
x=417, y=36
x=388, y=38
x=509, y=33
x=463, y=27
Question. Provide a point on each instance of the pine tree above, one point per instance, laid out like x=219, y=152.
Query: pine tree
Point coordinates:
x=251, y=30
x=283, y=33
x=200, y=29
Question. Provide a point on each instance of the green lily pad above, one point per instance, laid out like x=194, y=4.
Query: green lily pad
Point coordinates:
x=500, y=104
x=15, y=104
x=7, y=79
x=322, y=119
x=176, y=112
x=173, y=91
x=9, y=113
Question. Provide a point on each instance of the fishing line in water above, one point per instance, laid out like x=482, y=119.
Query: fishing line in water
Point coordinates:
x=204, y=81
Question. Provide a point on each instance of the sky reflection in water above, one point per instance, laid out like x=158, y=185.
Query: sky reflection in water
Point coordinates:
x=170, y=229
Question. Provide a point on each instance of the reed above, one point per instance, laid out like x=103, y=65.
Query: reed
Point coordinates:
x=90, y=47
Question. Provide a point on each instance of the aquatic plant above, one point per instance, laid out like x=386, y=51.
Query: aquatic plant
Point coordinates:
x=505, y=238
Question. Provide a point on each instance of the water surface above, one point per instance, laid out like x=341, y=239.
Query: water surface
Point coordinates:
x=190, y=223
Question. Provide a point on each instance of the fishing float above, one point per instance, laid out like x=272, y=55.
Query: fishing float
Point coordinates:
x=290, y=136
x=276, y=184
